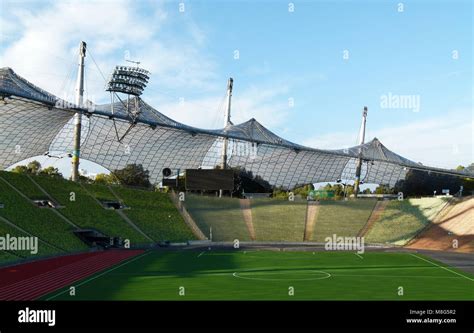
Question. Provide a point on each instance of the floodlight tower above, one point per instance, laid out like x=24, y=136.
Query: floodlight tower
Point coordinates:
x=227, y=122
x=130, y=81
x=77, y=117
x=359, y=159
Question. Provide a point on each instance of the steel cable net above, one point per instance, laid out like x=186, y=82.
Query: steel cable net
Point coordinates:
x=155, y=148
x=33, y=122
x=27, y=129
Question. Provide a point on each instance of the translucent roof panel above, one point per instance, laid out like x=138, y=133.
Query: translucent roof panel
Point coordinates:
x=33, y=122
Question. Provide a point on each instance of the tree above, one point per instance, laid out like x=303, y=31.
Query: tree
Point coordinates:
x=349, y=190
x=338, y=189
x=20, y=169
x=279, y=193
x=469, y=168
x=304, y=190
x=383, y=189
x=467, y=183
x=246, y=181
x=105, y=179
x=419, y=182
x=468, y=186
x=51, y=172
x=133, y=175
x=34, y=167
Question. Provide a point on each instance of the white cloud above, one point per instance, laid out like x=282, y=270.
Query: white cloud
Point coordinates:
x=445, y=141
x=46, y=49
x=254, y=102
x=266, y=104
x=46, y=54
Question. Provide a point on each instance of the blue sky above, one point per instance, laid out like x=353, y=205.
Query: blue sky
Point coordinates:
x=282, y=55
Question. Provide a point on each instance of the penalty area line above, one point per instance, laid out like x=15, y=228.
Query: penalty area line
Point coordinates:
x=435, y=264
x=99, y=275
x=357, y=254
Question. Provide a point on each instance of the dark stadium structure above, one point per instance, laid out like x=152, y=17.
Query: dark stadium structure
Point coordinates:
x=34, y=122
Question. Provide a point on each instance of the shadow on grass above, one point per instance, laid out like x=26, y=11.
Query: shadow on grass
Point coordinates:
x=404, y=210
x=172, y=265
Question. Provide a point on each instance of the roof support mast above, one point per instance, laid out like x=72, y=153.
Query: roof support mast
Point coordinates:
x=359, y=160
x=77, y=117
x=227, y=122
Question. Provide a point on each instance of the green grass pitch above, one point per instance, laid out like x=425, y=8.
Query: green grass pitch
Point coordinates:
x=270, y=275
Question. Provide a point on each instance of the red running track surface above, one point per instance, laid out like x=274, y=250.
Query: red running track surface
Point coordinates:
x=33, y=280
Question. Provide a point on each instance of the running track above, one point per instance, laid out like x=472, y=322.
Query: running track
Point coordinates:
x=33, y=280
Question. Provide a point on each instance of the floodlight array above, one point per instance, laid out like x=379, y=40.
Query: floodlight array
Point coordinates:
x=128, y=80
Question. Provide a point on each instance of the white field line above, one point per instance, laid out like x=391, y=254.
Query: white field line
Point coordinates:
x=202, y=253
x=397, y=276
x=101, y=274
x=357, y=254
x=227, y=274
x=435, y=264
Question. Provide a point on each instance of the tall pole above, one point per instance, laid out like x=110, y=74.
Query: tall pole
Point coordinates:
x=227, y=122
x=359, y=160
x=77, y=117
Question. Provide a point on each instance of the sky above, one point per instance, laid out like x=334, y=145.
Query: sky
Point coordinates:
x=304, y=69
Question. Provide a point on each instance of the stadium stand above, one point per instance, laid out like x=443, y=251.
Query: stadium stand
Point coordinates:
x=155, y=214
x=7, y=256
x=151, y=217
x=23, y=184
x=403, y=220
x=86, y=212
x=342, y=218
x=377, y=212
x=223, y=215
x=102, y=193
x=452, y=229
x=41, y=222
x=278, y=220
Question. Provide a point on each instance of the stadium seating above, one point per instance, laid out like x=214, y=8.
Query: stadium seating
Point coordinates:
x=223, y=215
x=23, y=184
x=6, y=256
x=41, y=222
x=100, y=192
x=153, y=213
x=156, y=216
x=86, y=212
x=402, y=220
x=342, y=218
x=278, y=220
